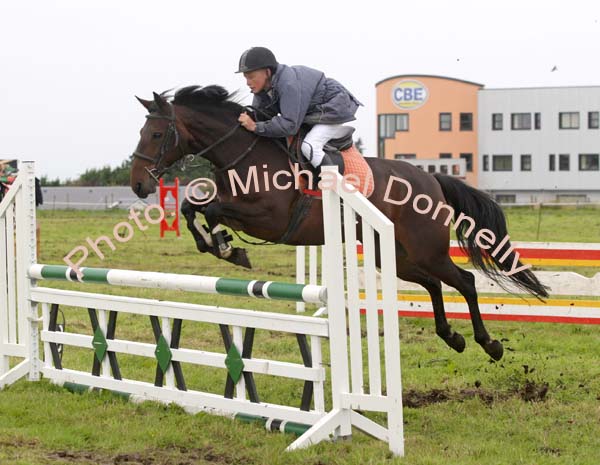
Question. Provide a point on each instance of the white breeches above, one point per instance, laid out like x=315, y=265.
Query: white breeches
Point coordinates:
x=317, y=137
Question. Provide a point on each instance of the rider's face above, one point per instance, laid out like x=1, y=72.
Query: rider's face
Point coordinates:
x=258, y=80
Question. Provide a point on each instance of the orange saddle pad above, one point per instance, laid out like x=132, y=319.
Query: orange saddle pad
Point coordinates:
x=357, y=172
x=357, y=168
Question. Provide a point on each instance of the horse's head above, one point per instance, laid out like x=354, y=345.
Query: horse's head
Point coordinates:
x=159, y=146
x=198, y=120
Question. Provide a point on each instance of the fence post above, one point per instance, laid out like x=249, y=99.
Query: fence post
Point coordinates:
x=26, y=256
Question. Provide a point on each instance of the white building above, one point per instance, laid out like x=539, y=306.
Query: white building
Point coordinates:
x=540, y=144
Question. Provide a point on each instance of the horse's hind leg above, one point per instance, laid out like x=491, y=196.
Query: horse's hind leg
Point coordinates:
x=464, y=282
x=410, y=272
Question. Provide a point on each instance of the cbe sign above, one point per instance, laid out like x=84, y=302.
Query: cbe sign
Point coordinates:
x=409, y=94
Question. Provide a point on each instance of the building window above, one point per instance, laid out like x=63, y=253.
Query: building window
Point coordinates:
x=552, y=162
x=486, y=163
x=537, y=120
x=468, y=157
x=405, y=156
x=568, y=120
x=520, y=121
x=563, y=162
x=526, y=162
x=593, y=120
x=506, y=198
x=572, y=198
x=445, y=121
x=466, y=121
x=445, y=155
x=501, y=162
x=497, y=121
x=390, y=124
x=444, y=169
x=588, y=161
x=431, y=168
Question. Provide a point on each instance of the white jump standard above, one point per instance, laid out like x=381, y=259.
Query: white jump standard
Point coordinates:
x=314, y=419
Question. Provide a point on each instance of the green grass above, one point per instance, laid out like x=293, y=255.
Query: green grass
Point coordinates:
x=474, y=411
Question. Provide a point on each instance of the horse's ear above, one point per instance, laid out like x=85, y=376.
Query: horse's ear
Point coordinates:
x=148, y=104
x=161, y=102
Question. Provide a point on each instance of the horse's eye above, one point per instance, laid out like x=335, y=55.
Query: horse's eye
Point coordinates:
x=156, y=135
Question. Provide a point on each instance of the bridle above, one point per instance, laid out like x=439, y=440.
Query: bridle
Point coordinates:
x=157, y=172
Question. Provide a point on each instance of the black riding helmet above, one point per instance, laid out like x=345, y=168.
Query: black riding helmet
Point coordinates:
x=257, y=58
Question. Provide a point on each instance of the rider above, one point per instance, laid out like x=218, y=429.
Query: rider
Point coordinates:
x=295, y=95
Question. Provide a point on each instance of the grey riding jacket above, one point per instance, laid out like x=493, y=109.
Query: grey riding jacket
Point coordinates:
x=302, y=95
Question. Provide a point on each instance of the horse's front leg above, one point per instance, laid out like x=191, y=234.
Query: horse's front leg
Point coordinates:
x=213, y=239
x=219, y=239
x=202, y=238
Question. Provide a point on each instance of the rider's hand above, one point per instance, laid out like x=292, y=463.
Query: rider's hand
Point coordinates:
x=247, y=122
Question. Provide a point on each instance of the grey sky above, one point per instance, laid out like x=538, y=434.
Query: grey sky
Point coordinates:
x=69, y=69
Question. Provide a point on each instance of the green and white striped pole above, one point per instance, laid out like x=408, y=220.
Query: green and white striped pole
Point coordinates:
x=181, y=282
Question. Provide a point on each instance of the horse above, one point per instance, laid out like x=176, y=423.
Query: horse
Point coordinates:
x=203, y=121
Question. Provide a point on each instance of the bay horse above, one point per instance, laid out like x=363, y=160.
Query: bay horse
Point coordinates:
x=203, y=121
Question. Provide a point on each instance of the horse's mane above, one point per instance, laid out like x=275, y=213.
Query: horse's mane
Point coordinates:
x=198, y=98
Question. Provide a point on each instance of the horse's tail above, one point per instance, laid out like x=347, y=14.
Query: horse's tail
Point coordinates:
x=487, y=214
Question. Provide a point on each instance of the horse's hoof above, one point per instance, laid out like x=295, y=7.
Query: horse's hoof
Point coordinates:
x=457, y=342
x=494, y=349
x=239, y=257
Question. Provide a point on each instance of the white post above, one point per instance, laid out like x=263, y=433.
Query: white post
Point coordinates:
x=166, y=331
x=336, y=305
x=352, y=297
x=238, y=341
x=103, y=325
x=300, y=273
x=389, y=290
x=313, y=262
x=338, y=420
x=27, y=256
x=317, y=360
x=4, y=311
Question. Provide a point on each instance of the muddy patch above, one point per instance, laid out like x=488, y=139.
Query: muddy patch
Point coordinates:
x=416, y=399
x=529, y=392
x=533, y=392
x=171, y=456
x=553, y=451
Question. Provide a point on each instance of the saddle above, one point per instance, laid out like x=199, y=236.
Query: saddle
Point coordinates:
x=333, y=149
x=340, y=152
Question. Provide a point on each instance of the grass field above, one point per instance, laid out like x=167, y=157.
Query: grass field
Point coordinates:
x=539, y=405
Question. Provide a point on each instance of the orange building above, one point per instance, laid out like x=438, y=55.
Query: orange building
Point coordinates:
x=430, y=121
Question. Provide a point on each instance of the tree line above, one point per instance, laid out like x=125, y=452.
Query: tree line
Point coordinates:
x=119, y=176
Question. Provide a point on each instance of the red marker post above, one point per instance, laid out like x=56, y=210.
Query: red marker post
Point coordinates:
x=170, y=207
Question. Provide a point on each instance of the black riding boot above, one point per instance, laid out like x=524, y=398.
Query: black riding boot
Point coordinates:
x=333, y=159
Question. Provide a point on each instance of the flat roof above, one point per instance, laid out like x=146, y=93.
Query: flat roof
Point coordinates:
x=543, y=87
x=428, y=76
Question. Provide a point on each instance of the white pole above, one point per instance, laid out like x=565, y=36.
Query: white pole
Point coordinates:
x=336, y=306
